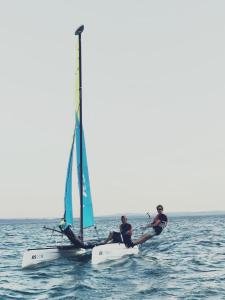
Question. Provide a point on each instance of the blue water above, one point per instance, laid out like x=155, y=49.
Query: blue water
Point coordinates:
x=187, y=261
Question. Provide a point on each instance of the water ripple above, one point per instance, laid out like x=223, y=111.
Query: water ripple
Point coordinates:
x=186, y=262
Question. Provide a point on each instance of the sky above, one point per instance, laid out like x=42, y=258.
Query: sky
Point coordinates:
x=153, y=104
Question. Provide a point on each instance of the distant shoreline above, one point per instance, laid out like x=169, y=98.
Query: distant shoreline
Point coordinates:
x=171, y=214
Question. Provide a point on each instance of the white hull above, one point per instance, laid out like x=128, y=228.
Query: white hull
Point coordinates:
x=108, y=252
x=35, y=256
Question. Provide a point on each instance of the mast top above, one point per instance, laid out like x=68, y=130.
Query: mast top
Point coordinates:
x=79, y=30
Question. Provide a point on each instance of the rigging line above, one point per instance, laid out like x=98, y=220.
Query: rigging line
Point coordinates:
x=142, y=227
x=52, y=229
x=95, y=227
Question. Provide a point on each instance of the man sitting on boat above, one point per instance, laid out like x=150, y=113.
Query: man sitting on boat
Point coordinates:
x=155, y=228
x=67, y=230
x=123, y=236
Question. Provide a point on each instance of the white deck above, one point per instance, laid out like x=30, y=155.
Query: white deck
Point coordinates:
x=108, y=252
x=39, y=255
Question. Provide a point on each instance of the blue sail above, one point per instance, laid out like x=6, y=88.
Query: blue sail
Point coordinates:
x=88, y=217
x=68, y=216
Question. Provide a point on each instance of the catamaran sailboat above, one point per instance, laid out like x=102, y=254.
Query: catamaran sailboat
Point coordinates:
x=34, y=256
x=100, y=253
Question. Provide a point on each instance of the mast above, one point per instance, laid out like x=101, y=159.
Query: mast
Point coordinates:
x=79, y=32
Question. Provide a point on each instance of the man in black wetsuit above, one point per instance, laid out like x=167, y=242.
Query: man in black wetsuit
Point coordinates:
x=67, y=230
x=123, y=236
x=155, y=228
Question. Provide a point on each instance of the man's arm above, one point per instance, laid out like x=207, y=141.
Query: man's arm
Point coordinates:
x=155, y=222
x=129, y=231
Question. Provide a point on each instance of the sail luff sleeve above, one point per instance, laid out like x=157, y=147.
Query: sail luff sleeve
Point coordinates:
x=88, y=216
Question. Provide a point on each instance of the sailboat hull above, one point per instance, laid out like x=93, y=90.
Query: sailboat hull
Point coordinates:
x=107, y=252
x=35, y=256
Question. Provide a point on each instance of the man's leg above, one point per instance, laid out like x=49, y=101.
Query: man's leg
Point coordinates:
x=109, y=238
x=72, y=237
x=143, y=239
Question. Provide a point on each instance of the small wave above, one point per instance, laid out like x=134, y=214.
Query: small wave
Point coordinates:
x=181, y=263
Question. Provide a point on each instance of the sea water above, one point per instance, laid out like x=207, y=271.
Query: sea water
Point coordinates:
x=187, y=261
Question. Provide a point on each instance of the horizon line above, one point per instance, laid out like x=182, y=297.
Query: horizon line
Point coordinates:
x=116, y=214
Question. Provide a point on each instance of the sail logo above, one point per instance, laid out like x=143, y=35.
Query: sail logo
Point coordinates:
x=37, y=256
x=84, y=187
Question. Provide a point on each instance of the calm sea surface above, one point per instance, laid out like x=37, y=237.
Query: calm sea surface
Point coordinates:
x=187, y=261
